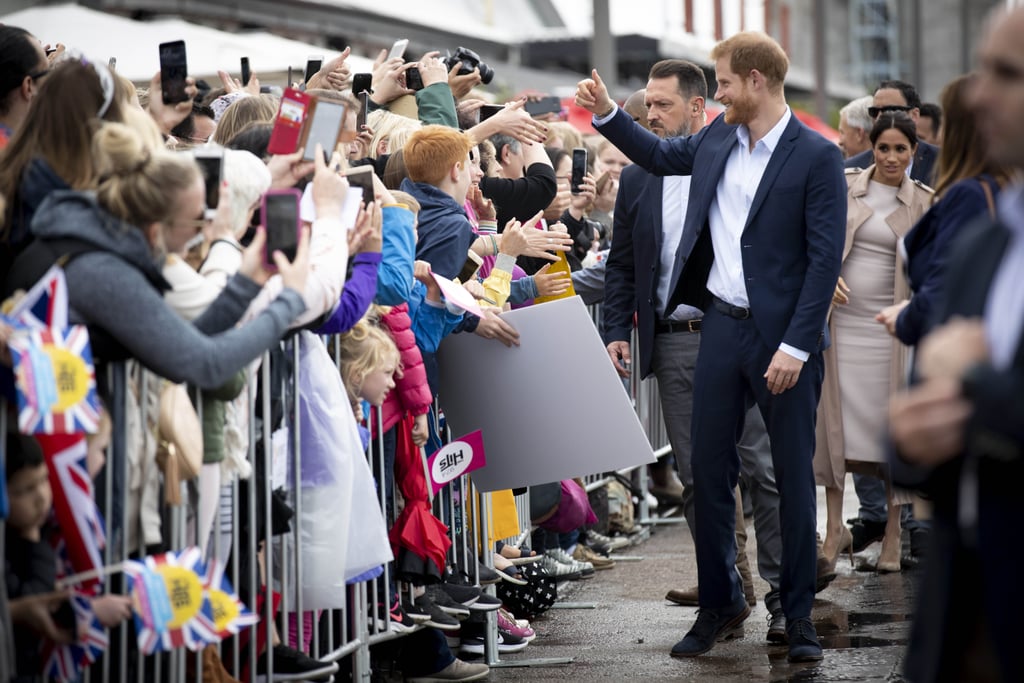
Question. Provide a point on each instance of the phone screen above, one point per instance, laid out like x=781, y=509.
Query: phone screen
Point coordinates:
x=362, y=176
x=246, y=73
x=173, y=71
x=325, y=128
x=489, y=110
x=364, y=107
x=313, y=65
x=212, y=167
x=545, y=105
x=361, y=82
x=579, y=169
x=281, y=219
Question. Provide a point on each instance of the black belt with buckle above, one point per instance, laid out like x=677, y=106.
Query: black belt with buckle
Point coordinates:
x=669, y=326
x=728, y=309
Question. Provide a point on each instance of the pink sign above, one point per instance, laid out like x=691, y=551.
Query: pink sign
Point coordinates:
x=456, y=294
x=455, y=459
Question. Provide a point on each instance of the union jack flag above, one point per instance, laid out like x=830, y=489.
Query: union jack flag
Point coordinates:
x=230, y=615
x=79, y=519
x=46, y=304
x=171, y=609
x=55, y=380
x=66, y=662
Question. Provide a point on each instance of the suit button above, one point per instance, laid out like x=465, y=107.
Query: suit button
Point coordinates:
x=650, y=301
x=653, y=268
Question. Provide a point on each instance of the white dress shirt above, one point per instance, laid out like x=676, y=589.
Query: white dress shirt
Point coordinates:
x=675, y=196
x=1004, y=308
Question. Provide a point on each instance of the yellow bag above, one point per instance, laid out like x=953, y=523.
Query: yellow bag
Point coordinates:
x=559, y=266
x=504, y=521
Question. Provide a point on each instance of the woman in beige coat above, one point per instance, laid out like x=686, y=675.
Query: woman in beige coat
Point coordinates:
x=865, y=365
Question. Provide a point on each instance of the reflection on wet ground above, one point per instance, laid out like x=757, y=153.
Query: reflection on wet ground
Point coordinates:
x=862, y=618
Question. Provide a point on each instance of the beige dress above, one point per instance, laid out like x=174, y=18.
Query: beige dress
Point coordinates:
x=864, y=365
x=863, y=347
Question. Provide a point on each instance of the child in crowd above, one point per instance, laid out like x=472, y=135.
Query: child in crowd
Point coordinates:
x=30, y=567
x=368, y=361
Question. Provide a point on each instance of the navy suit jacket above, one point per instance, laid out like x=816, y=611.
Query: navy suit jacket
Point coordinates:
x=633, y=264
x=923, y=168
x=792, y=243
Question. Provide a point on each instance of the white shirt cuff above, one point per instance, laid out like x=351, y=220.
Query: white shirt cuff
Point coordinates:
x=605, y=119
x=801, y=356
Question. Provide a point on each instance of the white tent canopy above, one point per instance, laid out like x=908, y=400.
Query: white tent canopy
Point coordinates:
x=101, y=36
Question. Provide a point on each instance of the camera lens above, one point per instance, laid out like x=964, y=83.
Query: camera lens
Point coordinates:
x=486, y=73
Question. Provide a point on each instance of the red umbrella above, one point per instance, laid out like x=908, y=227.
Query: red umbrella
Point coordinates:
x=419, y=540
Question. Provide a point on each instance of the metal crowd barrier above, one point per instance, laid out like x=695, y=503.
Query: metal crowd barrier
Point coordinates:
x=344, y=634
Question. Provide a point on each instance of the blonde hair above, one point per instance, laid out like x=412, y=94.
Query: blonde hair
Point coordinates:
x=389, y=127
x=138, y=183
x=362, y=350
x=407, y=199
x=564, y=131
x=248, y=178
x=241, y=113
x=751, y=50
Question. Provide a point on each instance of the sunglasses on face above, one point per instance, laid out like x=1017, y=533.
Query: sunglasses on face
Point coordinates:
x=875, y=112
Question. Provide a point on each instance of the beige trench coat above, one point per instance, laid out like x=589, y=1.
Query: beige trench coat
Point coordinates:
x=914, y=199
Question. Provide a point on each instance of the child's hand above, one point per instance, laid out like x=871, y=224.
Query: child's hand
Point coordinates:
x=111, y=610
x=420, y=431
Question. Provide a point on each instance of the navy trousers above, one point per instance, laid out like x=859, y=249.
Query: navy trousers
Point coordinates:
x=728, y=379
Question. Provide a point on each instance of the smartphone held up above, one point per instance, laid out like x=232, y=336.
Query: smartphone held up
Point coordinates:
x=280, y=212
x=173, y=72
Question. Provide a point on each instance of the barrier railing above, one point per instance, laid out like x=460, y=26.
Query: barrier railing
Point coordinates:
x=343, y=634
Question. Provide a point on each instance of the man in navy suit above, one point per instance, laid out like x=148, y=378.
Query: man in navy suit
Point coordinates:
x=760, y=255
x=648, y=226
x=900, y=96
x=965, y=420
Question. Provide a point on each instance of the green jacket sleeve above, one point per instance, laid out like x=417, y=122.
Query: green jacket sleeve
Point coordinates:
x=436, y=105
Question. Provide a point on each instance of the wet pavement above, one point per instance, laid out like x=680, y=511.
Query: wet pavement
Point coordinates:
x=621, y=628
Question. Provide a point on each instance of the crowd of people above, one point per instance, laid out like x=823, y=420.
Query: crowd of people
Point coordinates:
x=779, y=299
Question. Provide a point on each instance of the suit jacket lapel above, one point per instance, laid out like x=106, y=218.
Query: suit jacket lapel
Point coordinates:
x=775, y=164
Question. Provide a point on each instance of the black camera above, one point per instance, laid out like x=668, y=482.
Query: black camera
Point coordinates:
x=469, y=60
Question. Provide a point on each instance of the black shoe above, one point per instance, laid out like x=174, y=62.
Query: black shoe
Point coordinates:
x=445, y=602
x=289, y=662
x=803, y=641
x=918, y=542
x=777, y=627
x=713, y=626
x=865, y=532
x=439, y=618
x=470, y=596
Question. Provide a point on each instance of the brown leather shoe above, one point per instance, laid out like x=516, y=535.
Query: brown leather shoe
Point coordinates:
x=686, y=597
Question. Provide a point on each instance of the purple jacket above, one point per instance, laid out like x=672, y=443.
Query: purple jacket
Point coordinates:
x=357, y=295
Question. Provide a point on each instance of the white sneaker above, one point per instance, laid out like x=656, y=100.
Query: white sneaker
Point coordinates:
x=559, y=555
x=559, y=571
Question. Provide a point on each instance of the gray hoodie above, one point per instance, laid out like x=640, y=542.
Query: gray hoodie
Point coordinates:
x=118, y=288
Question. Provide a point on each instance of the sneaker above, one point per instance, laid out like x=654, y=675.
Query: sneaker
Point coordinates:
x=585, y=569
x=506, y=643
x=394, y=618
x=293, y=665
x=438, y=617
x=558, y=571
x=414, y=612
x=612, y=544
x=508, y=624
x=456, y=671
x=445, y=602
x=472, y=597
x=586, y=555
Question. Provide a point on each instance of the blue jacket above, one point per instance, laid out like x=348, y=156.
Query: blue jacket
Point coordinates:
x=398, y=246
x=928, y=252
x=445, y=233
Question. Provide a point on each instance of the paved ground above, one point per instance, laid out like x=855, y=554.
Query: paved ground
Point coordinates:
x=863, y=619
